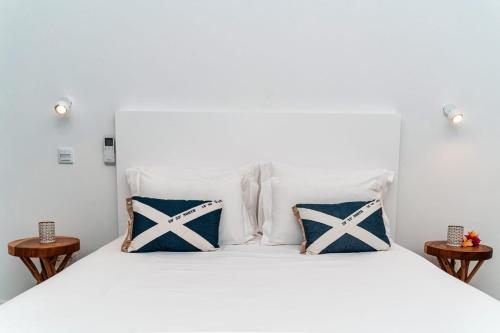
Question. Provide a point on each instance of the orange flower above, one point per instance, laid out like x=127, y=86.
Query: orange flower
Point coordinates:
x=472, y=234
x=473, y=237
x=467, y=242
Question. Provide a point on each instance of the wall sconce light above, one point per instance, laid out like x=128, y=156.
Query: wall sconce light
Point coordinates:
x=62, y=106
x=454, y=115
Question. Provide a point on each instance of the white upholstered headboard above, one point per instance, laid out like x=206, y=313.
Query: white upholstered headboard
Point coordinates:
x=343, y=141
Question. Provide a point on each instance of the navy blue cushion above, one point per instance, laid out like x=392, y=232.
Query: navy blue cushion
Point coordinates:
x=344, y=227
x=173, y=225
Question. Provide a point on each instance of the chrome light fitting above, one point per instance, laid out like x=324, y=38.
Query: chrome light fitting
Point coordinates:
x=454, y=115
x=62, y=106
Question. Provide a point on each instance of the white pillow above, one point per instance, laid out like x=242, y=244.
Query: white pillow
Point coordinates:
x=284, y=186
x=238, y=189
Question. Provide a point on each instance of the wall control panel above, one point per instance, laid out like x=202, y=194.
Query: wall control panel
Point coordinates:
x=109, y=151
x=65, y=155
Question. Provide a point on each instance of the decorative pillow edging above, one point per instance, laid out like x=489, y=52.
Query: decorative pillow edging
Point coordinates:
x=130, y=223
x=299, y=221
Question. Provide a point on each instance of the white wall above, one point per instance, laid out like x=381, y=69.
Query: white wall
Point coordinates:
x=306, y=55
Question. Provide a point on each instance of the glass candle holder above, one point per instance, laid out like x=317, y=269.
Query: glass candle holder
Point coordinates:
x=455, y=235
x=47, y=232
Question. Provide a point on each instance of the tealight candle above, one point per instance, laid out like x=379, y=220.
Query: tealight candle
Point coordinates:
x=47, y=231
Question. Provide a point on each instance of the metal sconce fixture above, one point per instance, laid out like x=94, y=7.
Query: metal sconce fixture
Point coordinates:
x=454, y=115
x=62, y=106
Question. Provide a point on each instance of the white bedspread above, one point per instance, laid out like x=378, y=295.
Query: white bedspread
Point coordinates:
x=251, y=288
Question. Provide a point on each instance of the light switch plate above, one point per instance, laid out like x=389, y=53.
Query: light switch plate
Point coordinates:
x=65, y=155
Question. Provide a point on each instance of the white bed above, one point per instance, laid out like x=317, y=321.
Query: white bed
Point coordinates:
x=251, y=288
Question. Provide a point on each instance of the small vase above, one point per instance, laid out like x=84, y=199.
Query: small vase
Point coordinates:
x=47, y=232
x=455, y=235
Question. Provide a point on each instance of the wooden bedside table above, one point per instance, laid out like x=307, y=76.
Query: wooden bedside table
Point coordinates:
x=447, y=255
x=28, y=248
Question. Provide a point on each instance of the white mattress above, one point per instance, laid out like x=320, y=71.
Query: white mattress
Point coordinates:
x=251, y=288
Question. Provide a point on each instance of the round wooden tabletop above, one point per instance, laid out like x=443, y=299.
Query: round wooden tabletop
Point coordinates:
x=440, y=249
x=31, y=247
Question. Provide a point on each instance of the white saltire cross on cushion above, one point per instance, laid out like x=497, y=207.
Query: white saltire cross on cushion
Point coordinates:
x=346, y=227
x=172, y=225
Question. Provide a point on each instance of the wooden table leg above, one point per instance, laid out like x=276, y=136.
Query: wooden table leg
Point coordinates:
x=49, y=266
x=43, y=272
x=464, y=269
x=32, y=268
x=441, y=264
x=63, y=263
x=448, y=267
x=474, y=271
